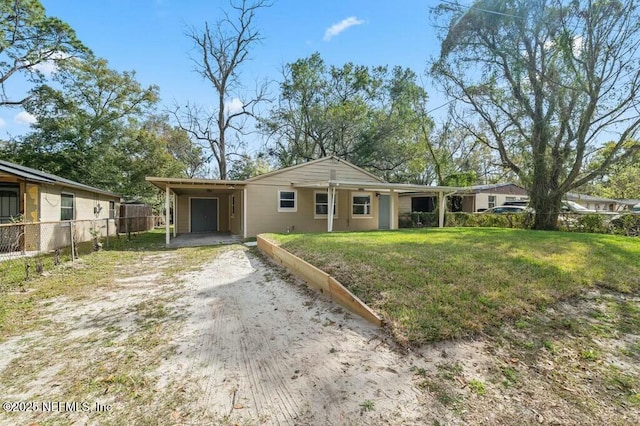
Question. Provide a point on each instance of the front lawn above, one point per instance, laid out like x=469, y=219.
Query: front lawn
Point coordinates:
x=436, y=284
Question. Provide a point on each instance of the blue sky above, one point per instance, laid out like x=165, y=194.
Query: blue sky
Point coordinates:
x=148, y=36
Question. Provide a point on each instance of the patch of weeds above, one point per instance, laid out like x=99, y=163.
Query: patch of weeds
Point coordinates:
x=567, y=324
x=548, y=345
x=522, y=324
x=450, y=371
x=477, y=387
x=447, y=399
x=528, y=345
x=510, y=375
x=626, y=383
x=632, y=350
x=428, y=385
x=590, y=354
x=419, y=371
x=367, y=405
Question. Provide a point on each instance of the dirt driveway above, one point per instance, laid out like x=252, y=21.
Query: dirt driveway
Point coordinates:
x=235, y=342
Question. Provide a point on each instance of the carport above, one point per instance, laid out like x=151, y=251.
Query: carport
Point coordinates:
x=205, y=206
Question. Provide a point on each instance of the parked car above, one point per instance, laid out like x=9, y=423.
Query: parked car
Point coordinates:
x=523, y=203
x=508, y=210
x=626, y=223
x=573, y=207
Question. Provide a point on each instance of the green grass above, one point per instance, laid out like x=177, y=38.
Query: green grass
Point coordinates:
x=436, y=284
x=94, y=271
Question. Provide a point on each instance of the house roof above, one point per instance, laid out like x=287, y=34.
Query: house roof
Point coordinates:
x=488, y=187
x=33, y=175
x=585, y=197
x=374, y=186
x=319, y=160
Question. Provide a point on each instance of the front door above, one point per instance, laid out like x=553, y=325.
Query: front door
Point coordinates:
x=204, y=214
x=384, y=210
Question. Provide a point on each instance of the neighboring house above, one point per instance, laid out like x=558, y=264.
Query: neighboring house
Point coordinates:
x=471, y=199
x=598, y=204
x=293, y=199
x=32, y=196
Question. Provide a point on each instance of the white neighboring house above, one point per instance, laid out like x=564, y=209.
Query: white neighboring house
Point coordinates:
x=599, y=204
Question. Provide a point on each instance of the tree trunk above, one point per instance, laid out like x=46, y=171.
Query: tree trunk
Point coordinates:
x=547, y=208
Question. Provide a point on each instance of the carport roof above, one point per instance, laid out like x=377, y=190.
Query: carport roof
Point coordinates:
x=188, y=183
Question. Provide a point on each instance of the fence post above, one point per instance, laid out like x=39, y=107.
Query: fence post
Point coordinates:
x=73, y=249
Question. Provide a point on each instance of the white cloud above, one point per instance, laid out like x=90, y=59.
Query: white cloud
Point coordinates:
x=233, y=106
x=336, y=29
x=23, y=117
x=2, y=123
x=50, y=67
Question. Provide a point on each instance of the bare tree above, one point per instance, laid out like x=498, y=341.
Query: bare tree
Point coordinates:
x=222, y=49
x=548, y=81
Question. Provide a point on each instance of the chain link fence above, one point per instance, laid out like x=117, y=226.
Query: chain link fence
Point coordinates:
x=29, y=249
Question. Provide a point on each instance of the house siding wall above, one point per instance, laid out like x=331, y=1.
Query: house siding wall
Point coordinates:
x=184, y=211
x=263, y=215
x=85, y=202
x=262, y=199
x=57, y=234
x=319, y=171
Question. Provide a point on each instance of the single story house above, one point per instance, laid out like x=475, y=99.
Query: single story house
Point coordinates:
x=471, y=199
x=292, y=199
x=599, y=204
x=34, y=197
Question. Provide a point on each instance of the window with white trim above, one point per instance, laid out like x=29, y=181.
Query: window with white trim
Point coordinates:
x=112, y=209
x=287, y=201
x=321, y=204
x=491, y=201
x=67, y=207
x=361, y=204
x=233, y=206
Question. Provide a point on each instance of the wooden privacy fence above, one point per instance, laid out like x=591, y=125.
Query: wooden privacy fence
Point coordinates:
x=136, y=218
x=319, y=279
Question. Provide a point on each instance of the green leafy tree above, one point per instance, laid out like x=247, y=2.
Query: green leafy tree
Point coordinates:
x=29, y=39
x=545, y=81
x=248, y=166
x=83, y=129
x=365, y=115
x=622, y=180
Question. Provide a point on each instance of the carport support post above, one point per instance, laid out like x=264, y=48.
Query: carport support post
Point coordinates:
x=166, y=215
x=175, y=215
x=442, y=199
x=392, y=219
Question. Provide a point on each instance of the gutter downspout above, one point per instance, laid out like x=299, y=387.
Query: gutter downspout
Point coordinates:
x=441, y=208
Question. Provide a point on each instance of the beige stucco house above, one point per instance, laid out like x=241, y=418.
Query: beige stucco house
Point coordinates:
x=46, y=204
x=293, y=199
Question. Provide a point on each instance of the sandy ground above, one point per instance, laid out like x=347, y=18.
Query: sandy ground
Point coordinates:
x=259, y=348
x=242, y=343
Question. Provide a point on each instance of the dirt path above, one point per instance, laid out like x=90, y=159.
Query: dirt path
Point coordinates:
x=259, y=349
